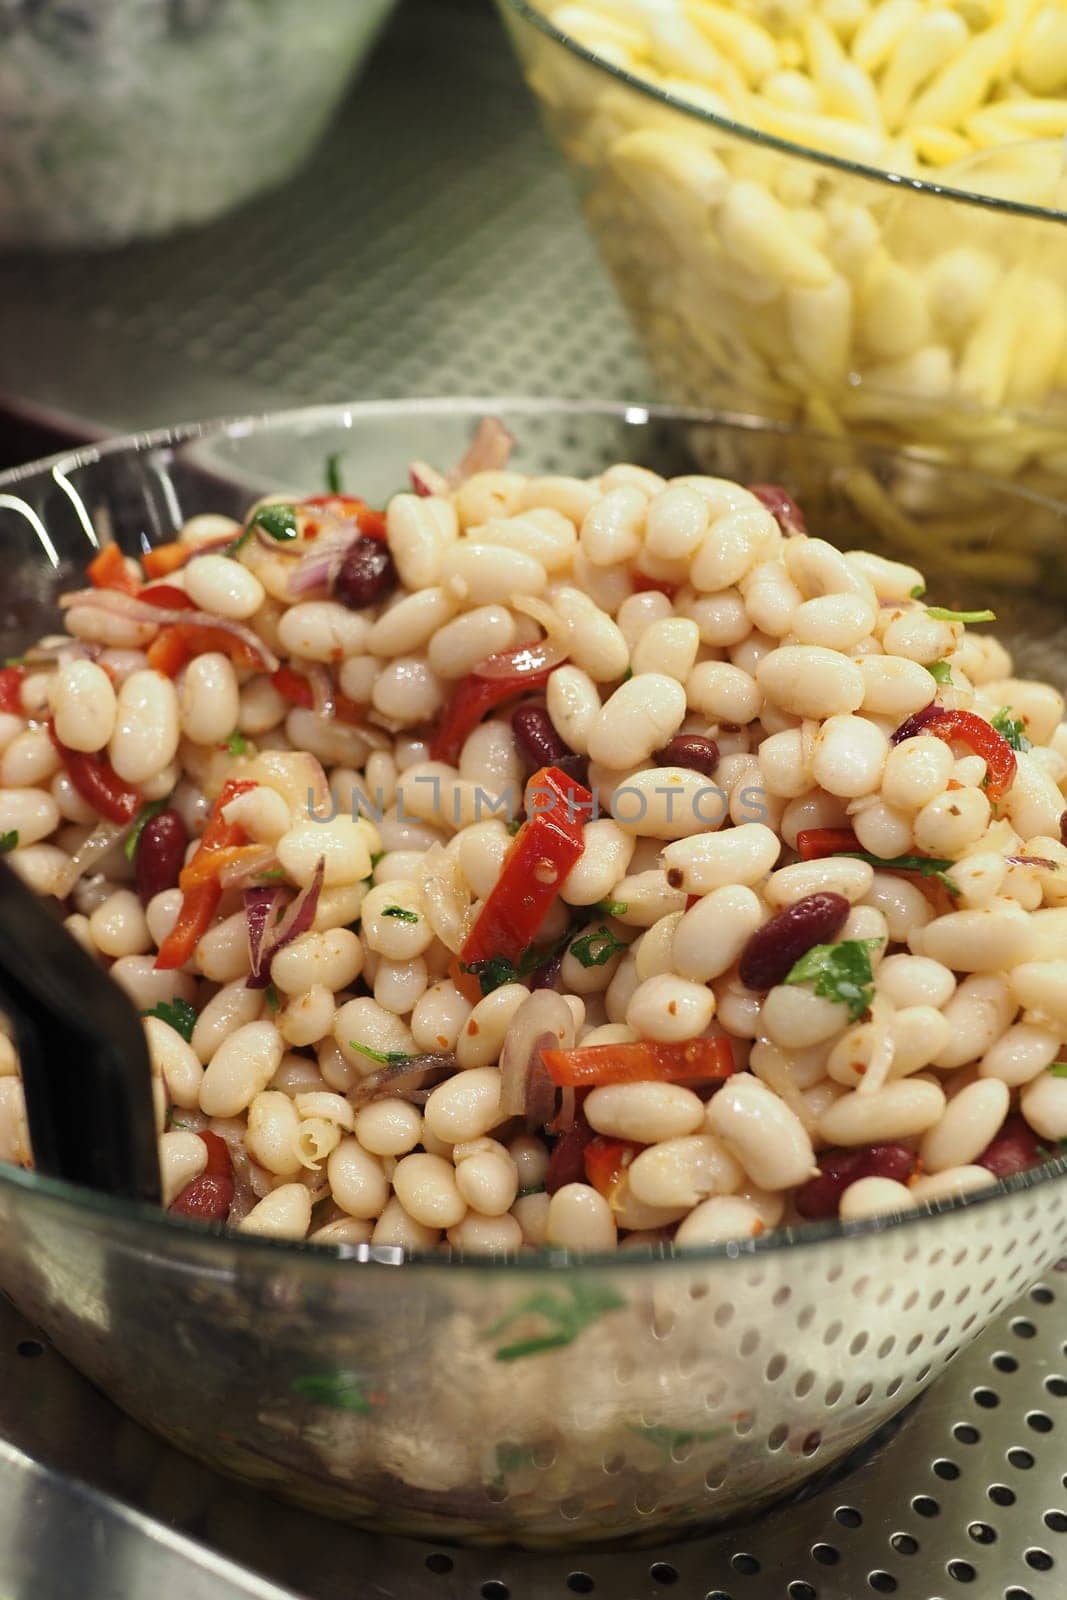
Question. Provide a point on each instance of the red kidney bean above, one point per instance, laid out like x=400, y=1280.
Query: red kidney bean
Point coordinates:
x=160, y=854
x=821, y=1196
x=566, y=1164
x=209, y=1197
x=774, y=950
x=541, y=745
x=367, y=574
x=1014, y=1149
x=782, y=507
x=691, y=750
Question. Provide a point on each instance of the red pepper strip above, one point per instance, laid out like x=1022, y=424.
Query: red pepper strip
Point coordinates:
x=965, y=727
x=297, y=690
x=11, y=689
x=167, y=595
x=164, y=559
x=292, y=687
x=643, y=584
x=108, y=570
x=179, y=642
x=209, y=1197
x=200, y=903
x=98, y=783
x=493, y=681
x=644, y=1061
x=544, y=850
x=814, y=843
x=370, y=522
x=606, y=1161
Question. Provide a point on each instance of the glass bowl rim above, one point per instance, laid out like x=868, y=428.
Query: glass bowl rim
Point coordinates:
x=743, y=130
x=134, y=1214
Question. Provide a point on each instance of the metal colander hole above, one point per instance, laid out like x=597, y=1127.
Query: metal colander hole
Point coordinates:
x=495, y=1590
x=663, y=1572
x=1022, y=1327
x=497, y=1493
x=1055, y=1521
x=698, y=1291
x=1039, y=1421
x=947, y=1470
x=913, y=1343
x=749, y=1342
x=1021, y=1459
x=718, y=1594
x=613, y=1464
x=936, y=1299
x=962, y=1571
x=1038, y=1559
x=30, y=1349
x=886, y=1346
x=982, y=1533
x=1042, y=1294
x=439, y=1563
x=964, y=1433
x=848, y=1517
x=778, y=1436
x=799, y=1590
x=714, y=1479
x=774, y=1368
x=804, y=1383
x=882, y=1582
x=863, y=1394
x=1015, y=1593
x=827, y=1555
x=782, y=1296
x=580, y=1583
x=806, y=1317
x=834, y=1392
x=892, y=1386
x=924, y=1505
x=988, y=1399
x=833, y=1333
x=724, y=1315
x=744, y=1563
x=1005, y=1362
x=1000, y=1494
x=904, y=1544
x=860, y=1342
x=1056, y=1386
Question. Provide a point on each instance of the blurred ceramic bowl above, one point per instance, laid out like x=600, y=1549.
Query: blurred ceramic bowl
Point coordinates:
x=803, y=284
x=124, y=119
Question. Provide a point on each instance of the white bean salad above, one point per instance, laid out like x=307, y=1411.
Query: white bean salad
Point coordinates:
x=547, y=861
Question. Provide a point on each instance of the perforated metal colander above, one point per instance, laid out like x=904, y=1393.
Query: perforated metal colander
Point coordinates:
x=547, y=1401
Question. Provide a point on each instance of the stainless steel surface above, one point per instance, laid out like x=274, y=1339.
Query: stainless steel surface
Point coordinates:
x=432, y=247
x=966, y=1496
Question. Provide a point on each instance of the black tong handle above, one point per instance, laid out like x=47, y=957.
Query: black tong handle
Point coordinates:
x=85, y=1067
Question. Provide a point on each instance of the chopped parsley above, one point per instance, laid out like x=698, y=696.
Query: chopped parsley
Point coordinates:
x=610, y=908
x=926, y=866
x=669, y=1441
x=237, y=744
x=596, y=949
x=918, y=591
x=384, y=1058
x=940, y=671
x=342, y=1391
x=177, y=1014
x=272, y=875
x=628, y=674
x=9, y=841
x=514, y=824
x=272, y=997
x=840, y=972
x=400, y=914
x=512, y=1458
x=945, y=614
x=495, y=971
x=279, y=521
x=333, y=472
x=1011, y=729
x=1058, y=1069
x=567, y=1313
x=140, y=822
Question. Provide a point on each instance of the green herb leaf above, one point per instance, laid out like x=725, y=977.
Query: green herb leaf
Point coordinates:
x=610, y=908
x=926, y=866
x=567, y=1313
x=668, y=1441
x=279, y=521
x=596, y=949
x=272, y=875
x=342, y=1391
x=237, y=744
x=9, y=841
x=376, y=856
x=840, y=972
x=918, y=591
x=495, y=971
x=140, y=822
x=944, y=614
x=400, y=914
x=940, y=671
x=1058, y=1069
x=272, y=997
x=514, y=824
x=333, y=472
x=512, y=1458
x=177, y=1014
x=384, y=1058
x=534, y=1188
x=14, y=661
x=628, y=674
x=1011, y=729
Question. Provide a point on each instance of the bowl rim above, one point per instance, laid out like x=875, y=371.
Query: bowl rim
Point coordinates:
x=743, y=130
x=136, y=1215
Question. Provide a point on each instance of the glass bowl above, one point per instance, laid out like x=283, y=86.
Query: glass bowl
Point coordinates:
x=124, y=119
x=544, y=1400
x=765, y=277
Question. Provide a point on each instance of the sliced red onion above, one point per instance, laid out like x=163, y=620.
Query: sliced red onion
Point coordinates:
x=262, y=907
x=517, y=663
x=782, y=507
x=297, y=920
x=489, y=451
x=323, y=693
x=1031, y=861
x=117, y=604
x=103, y=839
x=324, y=558
x=402, y=1077
x=915, y=724
x=426, y=480
x=543, y=1022
x=238, y=873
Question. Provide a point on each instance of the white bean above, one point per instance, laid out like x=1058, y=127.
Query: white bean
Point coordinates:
x=647, y=1112
x=84, y=704
x=874, y=1197
x=285, y=1213
x=208, y=699
x=970, y=1121
x=638, y=718
x=145, y=736
x=899, y=1110
x=241, y=1067
x=760, y=1130
x=580, y=1219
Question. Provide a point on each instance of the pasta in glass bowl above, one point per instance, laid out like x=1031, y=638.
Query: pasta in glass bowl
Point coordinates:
x=778, y=1084
x=847, y=215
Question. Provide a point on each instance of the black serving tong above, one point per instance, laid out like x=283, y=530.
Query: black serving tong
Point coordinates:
x=85, y=1066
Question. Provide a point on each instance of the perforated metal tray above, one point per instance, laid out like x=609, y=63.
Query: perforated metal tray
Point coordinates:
x=966, y=1495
